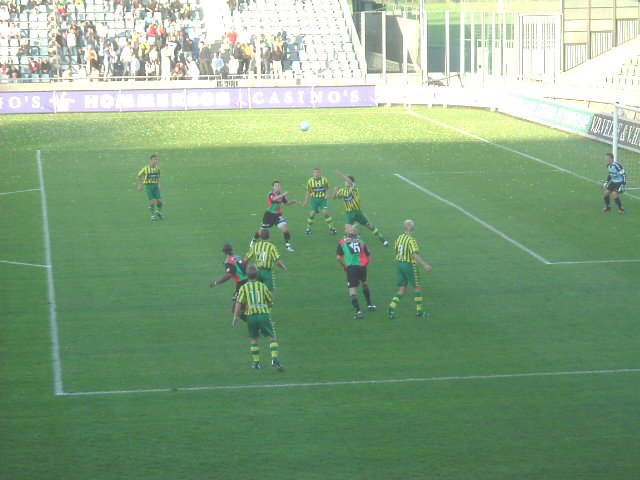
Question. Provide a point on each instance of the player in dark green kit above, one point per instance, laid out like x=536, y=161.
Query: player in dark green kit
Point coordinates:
x=318, y=195
x=149, y=177
x=353, y=255
x=407, y=257
x=255, y=299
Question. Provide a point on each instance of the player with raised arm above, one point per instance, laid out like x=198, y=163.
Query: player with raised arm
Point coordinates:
x=351, y=196
x=273, y=214
x=234, y=268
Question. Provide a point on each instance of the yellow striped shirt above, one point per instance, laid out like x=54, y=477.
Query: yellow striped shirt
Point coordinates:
x=351, y=198
x=318, y=188
x=149, y=174
x=405, y=247
x=255, y=296
x=265, y=254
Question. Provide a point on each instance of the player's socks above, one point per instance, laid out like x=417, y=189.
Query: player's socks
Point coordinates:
x=607, y=201
x=377, y=233
x=287, y=238
x=152, y=209
x=309, y=222
x=367, y=295
x=273, y=346
x=618, y=203
x=329, y=221
x=418, y=299
x=395, y=301
x=355, y=303
x=255, y=352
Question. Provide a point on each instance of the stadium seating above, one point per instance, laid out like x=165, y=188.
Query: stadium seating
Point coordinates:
x=317, y=34
x=318, y=37
x=628, y=75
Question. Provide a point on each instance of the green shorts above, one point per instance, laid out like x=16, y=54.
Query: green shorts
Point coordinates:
x=318, y=204
x=265, y=275
x=357, y=216
x=408, y=274
x=153, y=191
x=260, y=324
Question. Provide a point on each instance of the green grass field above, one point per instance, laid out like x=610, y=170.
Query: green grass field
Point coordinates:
x=117, y=361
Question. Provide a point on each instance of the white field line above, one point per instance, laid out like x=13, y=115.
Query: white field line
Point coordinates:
x=25, y=264
x=505, y=236
x=476, y=219
x=517, y=152
x=53, y=314
x=462, y=378
x=20, y=191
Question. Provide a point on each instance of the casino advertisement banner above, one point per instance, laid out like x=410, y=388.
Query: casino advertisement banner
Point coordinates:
x=79, y=101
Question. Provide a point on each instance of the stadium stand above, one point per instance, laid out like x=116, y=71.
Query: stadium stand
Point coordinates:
x=628, y=75
x=144, y=39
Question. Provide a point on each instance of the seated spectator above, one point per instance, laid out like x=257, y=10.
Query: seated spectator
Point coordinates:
x=24, y=50
x=45, y=66
x=34, y=65
x=179, y=72
x=14, y=31
x=94, y=74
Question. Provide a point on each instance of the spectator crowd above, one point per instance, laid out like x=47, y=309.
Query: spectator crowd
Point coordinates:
x=139, y=39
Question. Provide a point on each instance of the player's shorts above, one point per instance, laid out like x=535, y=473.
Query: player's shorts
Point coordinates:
x=260, y=323
x=408, y=274
x=238, y=285
x=318, y=204
x=616, y=187
x=152, y=190
x=269, y=219
x=357, y=216
x=265, y=275
x=356, y=275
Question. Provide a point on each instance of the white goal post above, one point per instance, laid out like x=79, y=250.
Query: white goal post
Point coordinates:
x=626, y=135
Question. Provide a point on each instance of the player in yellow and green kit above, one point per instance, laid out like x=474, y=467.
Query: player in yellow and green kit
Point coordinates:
x=255, y=299
x=265, y=254
x=407, y=257
x=318, y=195
x=351, y=197
x=149, y=177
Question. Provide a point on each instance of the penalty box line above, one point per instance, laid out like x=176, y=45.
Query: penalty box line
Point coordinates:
x=506, y=237
x=508, y=149
x=453, y=378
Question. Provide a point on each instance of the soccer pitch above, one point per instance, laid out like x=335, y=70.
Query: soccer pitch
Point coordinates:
x=118, y=360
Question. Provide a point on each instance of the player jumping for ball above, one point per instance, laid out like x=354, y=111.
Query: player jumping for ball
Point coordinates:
x=273, y=215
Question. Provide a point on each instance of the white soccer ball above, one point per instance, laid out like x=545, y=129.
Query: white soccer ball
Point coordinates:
x=304, y=126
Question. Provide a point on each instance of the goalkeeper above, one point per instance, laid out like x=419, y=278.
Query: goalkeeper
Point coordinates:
x=614, y=185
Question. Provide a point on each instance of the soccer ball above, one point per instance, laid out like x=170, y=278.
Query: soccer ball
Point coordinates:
x=304, y=126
